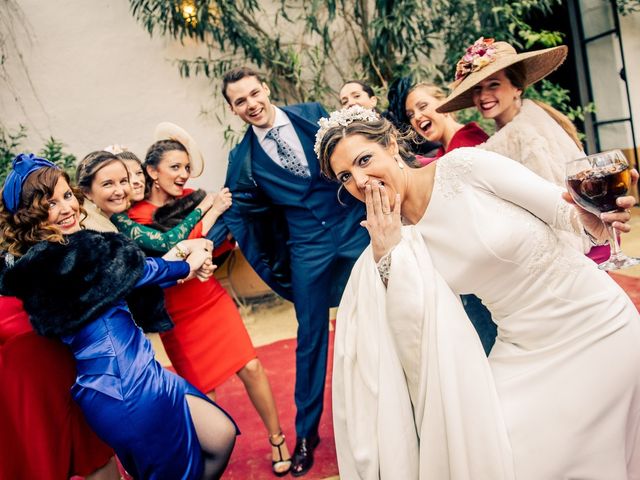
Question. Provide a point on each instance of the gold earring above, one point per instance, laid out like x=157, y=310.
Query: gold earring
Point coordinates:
x=156, y=184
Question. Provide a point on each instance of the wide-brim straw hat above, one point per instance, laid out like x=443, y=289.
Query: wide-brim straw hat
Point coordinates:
x=171, y=131
x=537, y=65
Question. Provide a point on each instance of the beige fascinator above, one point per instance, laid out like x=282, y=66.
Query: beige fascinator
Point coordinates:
x=171, y=131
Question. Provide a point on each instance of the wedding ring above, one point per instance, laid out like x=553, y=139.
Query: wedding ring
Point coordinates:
x=386, y=213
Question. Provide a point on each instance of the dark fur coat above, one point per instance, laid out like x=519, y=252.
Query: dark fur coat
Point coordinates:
x=171, y=214
x=66, y=286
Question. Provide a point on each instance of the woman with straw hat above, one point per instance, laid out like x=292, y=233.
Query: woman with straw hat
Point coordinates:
x=492, y=76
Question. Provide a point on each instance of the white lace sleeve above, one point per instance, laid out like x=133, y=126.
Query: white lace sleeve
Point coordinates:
x=384, y=268
x=567, y=219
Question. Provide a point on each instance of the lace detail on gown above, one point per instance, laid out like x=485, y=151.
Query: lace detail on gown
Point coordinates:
x=451, y=173
x=548, y=253
x=566, y=219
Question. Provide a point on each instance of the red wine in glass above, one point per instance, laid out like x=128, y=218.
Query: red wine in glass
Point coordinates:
x=597, y=190
x=595, y=182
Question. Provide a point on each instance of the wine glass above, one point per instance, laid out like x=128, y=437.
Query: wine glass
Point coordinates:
x=594, y=183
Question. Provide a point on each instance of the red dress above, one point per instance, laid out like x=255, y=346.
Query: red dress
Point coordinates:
x=43, y=433
x=209, y=342
x=471, y=135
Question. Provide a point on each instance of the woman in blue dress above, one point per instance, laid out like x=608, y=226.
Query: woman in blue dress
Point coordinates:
x=72, y=283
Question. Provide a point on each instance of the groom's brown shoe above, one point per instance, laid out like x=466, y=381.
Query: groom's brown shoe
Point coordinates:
x=303, y=455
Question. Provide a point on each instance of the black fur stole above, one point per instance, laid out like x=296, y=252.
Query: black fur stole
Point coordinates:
x=66, y=286
x=174, y=212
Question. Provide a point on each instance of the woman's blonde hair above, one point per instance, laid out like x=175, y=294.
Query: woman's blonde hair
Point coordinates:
x=431, y=89
x=30, y=223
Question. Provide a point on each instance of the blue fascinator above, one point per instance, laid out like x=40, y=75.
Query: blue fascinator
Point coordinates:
x=22, y=166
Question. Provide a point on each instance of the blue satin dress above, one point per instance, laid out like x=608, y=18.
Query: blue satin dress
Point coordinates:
x=131, y=402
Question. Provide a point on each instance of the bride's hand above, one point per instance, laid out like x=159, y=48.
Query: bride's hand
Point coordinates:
x=382, y=223
x=207, y=202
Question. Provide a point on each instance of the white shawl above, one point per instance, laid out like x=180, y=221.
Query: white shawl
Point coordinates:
x=535, y=140
x=413, y=394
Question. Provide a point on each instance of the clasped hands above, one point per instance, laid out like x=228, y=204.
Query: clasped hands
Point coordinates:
x=197, y=253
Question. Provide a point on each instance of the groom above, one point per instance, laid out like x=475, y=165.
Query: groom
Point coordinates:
x=292, y=229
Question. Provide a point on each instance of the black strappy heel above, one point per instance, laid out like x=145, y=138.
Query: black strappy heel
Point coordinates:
x=281, y=461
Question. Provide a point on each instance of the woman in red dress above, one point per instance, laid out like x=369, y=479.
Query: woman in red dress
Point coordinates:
x=209, y=342
x=43, y=433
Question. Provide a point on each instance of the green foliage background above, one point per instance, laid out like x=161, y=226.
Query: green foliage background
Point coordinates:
x=308, y=48
x=53, y=150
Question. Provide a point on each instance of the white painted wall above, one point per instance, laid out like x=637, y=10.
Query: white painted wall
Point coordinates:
x=98, y=78
x=95, y=77
x=630, y=31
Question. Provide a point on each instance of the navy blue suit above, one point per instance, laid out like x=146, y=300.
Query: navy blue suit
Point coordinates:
x=300, y=240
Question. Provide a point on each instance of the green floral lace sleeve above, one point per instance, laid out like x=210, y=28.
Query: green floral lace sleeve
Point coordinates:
x=154, y=240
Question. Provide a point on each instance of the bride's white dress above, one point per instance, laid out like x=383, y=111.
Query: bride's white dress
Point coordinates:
x=565, y=366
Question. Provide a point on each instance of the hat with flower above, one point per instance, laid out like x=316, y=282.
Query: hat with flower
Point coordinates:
x=486, y=57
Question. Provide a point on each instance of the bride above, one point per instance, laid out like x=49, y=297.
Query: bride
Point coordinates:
x=414, y=396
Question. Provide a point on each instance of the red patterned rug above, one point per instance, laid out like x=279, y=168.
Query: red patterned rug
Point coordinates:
x=251, y=458
x=631, y=285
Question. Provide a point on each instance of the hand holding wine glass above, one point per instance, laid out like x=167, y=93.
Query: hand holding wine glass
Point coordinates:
x=599, y=184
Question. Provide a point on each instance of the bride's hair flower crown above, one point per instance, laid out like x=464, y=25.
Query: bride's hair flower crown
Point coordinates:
x=477, y=56
x=342, y=118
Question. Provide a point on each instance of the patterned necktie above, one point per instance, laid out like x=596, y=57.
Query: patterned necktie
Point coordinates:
x=288, y=157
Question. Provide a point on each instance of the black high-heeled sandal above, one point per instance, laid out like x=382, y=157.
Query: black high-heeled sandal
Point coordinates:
x=281, y=461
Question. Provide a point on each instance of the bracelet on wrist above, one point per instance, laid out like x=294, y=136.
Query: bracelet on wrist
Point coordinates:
x=180, y=253
x=594, y=241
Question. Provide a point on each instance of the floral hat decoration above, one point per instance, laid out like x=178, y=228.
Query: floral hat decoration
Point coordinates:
x=486, y=57
x=342, y=118
x=115, y=148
